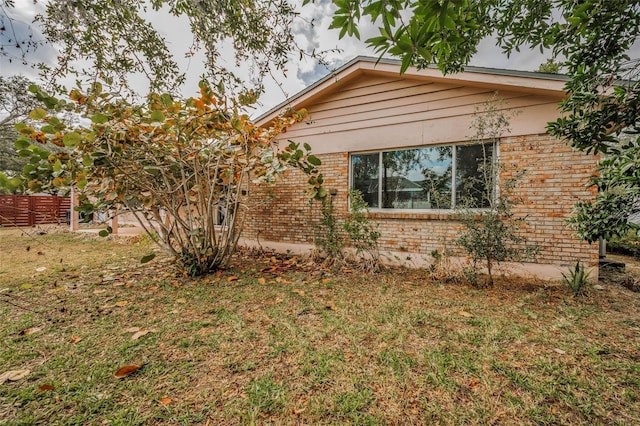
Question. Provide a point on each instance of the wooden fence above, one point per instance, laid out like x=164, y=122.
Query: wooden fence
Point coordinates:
x=29, y=210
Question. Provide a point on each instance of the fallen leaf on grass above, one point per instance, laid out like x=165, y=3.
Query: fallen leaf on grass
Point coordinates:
x=126, y=371
x=41, y=269
x=465, y=314
x=75, y=339
x=139, y=334
x=99, y=291
x=232, y=278
x=181, y=300
x=28, y=331
x=326, y=280
x=298, y=292
x=13, y=375
x=332, y=307
x=121, y=303
x=559, y=351
x=262, y=281
x=44, y=388
x=164, y=401
x=132, y=330
x=282, y=280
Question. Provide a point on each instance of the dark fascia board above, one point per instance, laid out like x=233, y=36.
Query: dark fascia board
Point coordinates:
x=395, y=62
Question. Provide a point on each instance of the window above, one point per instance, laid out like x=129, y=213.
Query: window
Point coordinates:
x=440, y=177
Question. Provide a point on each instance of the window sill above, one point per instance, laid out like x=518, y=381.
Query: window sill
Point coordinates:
x=451, y=215
x=422, y=215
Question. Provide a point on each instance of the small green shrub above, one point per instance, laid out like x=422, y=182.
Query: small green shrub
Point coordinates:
x=363, y=235
x=628, y=244
x=442, y=267
x=329, y=239
x=577, y=279
x=355, y=230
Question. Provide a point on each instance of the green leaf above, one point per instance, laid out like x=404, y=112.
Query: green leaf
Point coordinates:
x=57, y=166
x=148, y=258
x=99, y=118
x=157, y=116
x=314, y=160
x=237, y=124
x=87, y=161
x=97, y=88
x=38, y=114
x=22, y=143
x=72, y=139
x=166, y=100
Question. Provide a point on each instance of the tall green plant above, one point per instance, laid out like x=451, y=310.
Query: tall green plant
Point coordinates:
x=363, y=235
x=355, y=231
x=329, y=238
x=492, y=234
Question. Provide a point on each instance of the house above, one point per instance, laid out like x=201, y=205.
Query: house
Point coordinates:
x=366, y=117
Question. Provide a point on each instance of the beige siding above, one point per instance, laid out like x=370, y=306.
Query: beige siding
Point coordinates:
x=377, y=113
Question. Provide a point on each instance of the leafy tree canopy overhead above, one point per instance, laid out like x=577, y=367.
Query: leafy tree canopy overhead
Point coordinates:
x=115, y=40
x=591, y=39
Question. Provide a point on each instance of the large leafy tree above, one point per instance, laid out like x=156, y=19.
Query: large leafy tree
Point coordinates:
x=121, y=42
x=591, y=40
x=182, y=167
x=15, y=104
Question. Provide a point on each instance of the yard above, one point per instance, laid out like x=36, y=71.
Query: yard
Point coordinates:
x=278, y=340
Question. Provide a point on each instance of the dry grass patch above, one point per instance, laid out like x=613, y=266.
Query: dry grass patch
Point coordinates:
x=277, y=340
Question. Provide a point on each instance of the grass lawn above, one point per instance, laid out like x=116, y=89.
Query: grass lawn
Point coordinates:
x=279, y=341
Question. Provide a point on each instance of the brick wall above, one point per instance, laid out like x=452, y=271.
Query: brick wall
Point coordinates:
x=554, y=180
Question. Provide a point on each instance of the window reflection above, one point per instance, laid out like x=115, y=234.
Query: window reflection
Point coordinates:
x=422, y=178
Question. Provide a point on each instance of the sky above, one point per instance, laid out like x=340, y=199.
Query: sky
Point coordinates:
x=311, y=33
